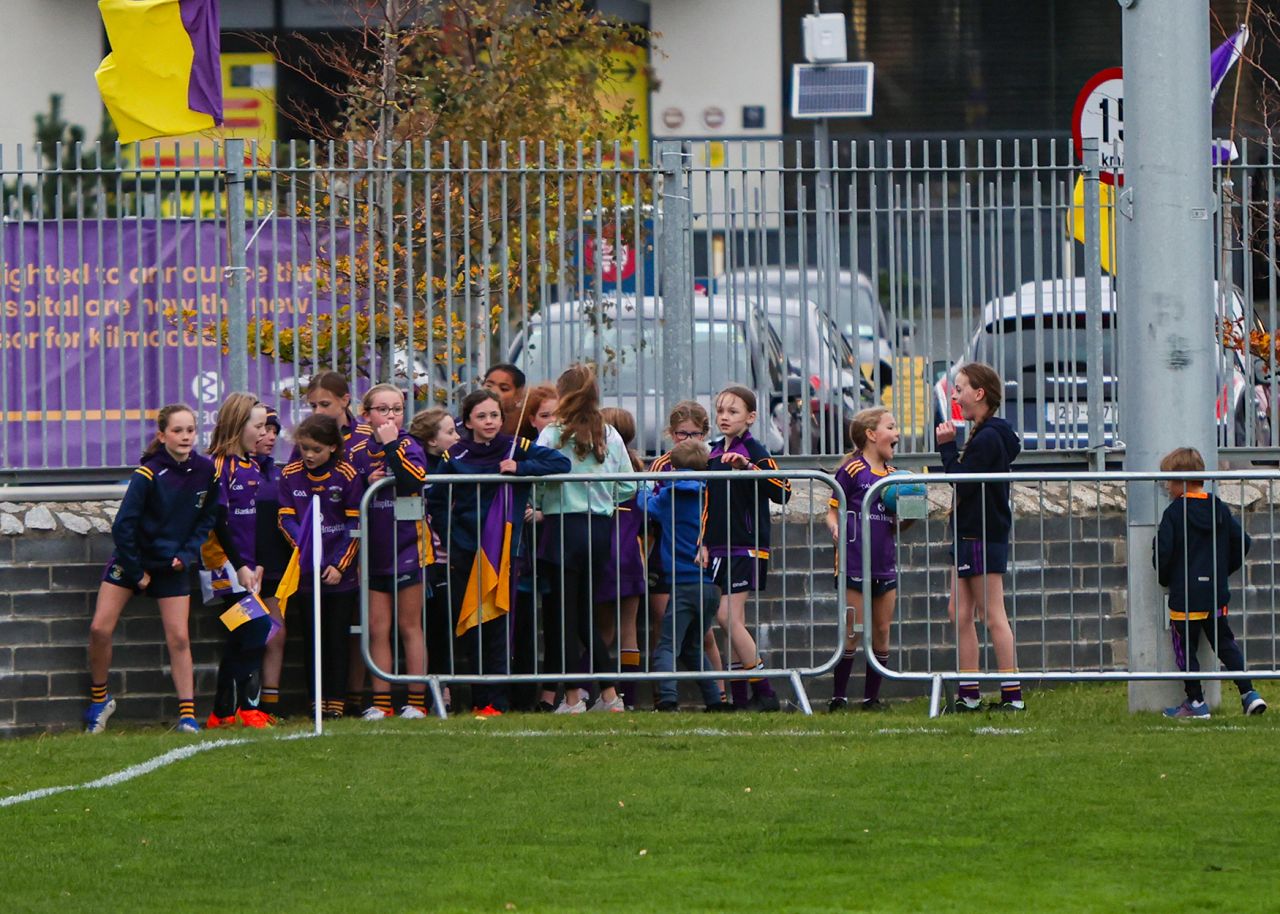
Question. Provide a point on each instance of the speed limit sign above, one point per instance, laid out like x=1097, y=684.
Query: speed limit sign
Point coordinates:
x=1099, y=114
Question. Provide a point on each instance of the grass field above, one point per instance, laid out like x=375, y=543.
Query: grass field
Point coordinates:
x=1075, y=806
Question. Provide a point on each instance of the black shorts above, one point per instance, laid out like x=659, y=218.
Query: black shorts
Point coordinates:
x=164, y=582
x=659, y=583
x=739, y=573
x=394, y=583
x=879, y=586
x=975, y=558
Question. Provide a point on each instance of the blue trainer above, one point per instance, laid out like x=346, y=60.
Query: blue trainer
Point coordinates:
x=1189, y=710
x=188, y=725
x=97, y=714
x=1252, y=702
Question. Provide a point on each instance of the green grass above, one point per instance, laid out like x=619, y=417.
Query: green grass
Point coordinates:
x=1076, y=806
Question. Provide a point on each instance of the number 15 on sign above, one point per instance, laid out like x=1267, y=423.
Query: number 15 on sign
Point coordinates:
x=1099, y=114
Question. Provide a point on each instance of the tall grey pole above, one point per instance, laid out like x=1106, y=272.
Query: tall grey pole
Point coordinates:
x=1166, y=309
x=677, y=277
x=1093, y=300
x=237, y=306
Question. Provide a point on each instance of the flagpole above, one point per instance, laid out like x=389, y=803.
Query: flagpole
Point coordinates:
x=315, y=608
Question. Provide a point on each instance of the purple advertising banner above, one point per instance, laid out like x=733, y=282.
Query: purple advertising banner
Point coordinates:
x=100, y=325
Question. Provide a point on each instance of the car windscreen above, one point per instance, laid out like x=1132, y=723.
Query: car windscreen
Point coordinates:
x=855, y=309
x=628, y=354
x=1058, y=343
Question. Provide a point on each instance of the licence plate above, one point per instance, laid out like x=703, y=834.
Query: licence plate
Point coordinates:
x=1060, y=414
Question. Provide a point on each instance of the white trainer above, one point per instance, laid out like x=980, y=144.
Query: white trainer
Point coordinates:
x=409, y=712
x=374, y=714
x=576, y=708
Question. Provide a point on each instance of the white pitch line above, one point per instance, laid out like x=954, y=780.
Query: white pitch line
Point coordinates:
x=138, y=770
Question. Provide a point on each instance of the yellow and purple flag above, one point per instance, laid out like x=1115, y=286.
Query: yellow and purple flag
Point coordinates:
x=300, y=562
x=247, y=609
x=163, y=76
x=488, y=593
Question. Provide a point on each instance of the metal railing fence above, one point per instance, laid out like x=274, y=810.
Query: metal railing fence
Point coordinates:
x=1066, y=591
x=783, y=619
x=677, y=270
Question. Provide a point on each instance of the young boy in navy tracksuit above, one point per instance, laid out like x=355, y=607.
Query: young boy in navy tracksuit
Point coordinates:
x=1198, y=546
x=677, y=509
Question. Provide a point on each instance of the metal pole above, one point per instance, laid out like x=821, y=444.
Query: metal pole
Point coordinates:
x=237, y=307
x=317, y=682
x=1167, y=335
x=1093, y=301
x=677, y=277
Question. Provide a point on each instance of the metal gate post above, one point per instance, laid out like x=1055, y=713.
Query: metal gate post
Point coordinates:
x=1093, y=301
x=676, y=281
x=237, y=270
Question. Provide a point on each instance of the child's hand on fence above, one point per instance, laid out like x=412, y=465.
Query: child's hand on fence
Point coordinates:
x=945, y=432
x=331, y=576
x=377, y=474
x=735, y=460
x=509, y=467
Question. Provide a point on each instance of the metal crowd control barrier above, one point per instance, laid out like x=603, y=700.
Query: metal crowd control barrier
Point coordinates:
x=1066, y=589
x=787, y=621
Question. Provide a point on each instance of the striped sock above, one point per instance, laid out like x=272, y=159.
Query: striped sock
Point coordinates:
x=871, y=691
x=98, y=693
x=186, y=708
x=843, y=670
x=270, y=697
x=761, y=686
x=382, y=701
x=331, y=706
x=969, y=691
x=738, y=687
x=418, y=700
x=1010, y=689
x=630, y=660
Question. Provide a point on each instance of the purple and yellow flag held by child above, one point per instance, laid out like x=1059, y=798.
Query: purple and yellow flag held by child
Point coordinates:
x=247, y=609
x=300, y=562
x=163, y=76
x=488, y=593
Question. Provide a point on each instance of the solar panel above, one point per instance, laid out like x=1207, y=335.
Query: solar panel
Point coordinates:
x=832, y=90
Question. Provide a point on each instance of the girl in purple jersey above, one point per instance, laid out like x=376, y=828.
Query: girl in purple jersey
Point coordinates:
x=323, y=471
x=242, y=421
x=398, y=550
x=875, y=435
x=273, y=554
x=436, y=432
x=167, y=511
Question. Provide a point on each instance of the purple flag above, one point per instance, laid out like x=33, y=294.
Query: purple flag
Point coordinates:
x=1223, y=58
x=204, y=92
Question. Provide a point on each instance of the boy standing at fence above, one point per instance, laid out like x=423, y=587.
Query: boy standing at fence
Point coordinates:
x=1198, y=546
x=677, y=509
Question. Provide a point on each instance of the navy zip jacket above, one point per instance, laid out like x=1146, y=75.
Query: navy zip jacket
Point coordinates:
x=167, y=513
x=455, y=515
x=981, y=511
x=1198, y=546
x=737, y=510
x=677, y=510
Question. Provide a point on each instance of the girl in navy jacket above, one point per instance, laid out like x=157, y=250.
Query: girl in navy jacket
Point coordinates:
x=167, y=512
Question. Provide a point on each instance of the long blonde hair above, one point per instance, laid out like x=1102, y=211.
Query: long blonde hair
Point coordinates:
x=235, y=413
x=578, y=411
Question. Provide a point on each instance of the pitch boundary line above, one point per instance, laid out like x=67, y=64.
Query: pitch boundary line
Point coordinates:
x=136, y=771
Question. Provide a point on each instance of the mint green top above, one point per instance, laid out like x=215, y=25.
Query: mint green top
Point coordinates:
x=587, y=497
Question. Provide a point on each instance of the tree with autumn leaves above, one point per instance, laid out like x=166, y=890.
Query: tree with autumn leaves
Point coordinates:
x=472, y=137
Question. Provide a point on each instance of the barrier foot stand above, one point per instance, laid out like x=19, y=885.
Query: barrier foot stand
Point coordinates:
x=437, y=698
x=802, y=698
x=935, y=697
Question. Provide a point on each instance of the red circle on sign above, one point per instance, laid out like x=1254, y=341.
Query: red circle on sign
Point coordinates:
x=1077, y=113
x=609, y=261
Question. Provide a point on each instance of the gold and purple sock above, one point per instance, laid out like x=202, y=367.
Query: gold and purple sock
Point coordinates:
x=270, y=698
x=332, y=706
x=871, y=690
x=98, y=693
x=759, y=685
x=418, y=700
x=630, y=659
x=1010, y=689
x=382, y=701
x=738, y=688
x=186, y=707
x=843, y=670
x=969, y=691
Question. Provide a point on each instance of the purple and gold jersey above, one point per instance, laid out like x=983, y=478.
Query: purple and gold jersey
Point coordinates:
x=395, y=547
x=855, y=478
x=340, y=488
x=235, y=536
